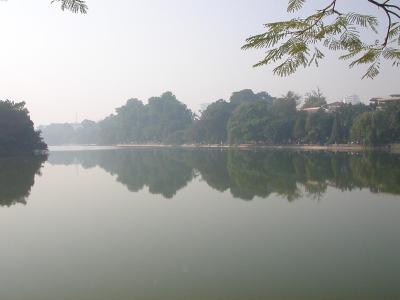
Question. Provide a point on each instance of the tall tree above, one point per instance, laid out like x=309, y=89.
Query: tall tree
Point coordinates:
x=212, y=125
x=132, y=117
x=248, y=122
x=299, y=129
x=298, y=42
x=17, y=133
x=247, y=95
x=318, y=127
x=165, y=115
x=263, y=121
x=283, y=112
x=343, y=122
x=371, y=128
x=314, y=99
x=292, y=97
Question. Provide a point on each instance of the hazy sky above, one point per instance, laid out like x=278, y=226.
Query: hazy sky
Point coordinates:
x=63, y=64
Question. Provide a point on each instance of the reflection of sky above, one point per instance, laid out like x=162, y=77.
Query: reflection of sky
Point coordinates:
x=62, y=64
x=90, y=238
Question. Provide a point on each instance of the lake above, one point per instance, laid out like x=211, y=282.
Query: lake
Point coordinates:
x=107, y=223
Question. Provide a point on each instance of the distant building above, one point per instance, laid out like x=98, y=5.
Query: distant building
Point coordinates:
x=332, y=107
x=379, y=101
x=352, y=99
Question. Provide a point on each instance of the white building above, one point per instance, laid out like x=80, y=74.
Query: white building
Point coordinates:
x=352, y=99
x=384, y=100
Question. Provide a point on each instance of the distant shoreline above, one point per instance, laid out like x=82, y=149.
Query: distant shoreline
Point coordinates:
x=393, y=148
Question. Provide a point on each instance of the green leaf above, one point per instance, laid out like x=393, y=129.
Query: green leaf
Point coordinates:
x=295, y=5
x=73, y=5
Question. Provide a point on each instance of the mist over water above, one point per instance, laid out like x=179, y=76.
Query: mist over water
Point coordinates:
x=200, y=224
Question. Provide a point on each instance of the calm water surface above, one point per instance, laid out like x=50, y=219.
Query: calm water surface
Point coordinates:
x=199, y=224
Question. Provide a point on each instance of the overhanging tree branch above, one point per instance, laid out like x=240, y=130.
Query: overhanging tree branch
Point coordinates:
x=294, y=43
x=73, y=5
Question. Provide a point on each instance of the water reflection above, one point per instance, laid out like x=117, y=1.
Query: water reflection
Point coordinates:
x=17, y=176
x=89, y=247
x=246, y=174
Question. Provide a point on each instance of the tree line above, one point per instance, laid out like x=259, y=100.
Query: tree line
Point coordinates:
x=247, y=117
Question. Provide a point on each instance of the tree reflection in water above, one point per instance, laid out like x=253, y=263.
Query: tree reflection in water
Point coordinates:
x=246, y=173
x=17, y=176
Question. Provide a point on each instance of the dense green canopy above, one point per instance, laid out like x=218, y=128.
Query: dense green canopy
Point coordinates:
x=162, y=120
x=17, y=133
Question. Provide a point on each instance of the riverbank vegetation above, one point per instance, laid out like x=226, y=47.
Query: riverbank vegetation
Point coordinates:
x=246, y=118
x=17, y=133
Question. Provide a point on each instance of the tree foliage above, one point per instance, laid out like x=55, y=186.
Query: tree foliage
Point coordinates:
x=318, y=127
x=247, y=117
x=343, y=122
x=378, y=127
x=212, y=125
x=162, y=120
x=87, y=132
x=17, y=133
x=371, y=128
x=249, y=122
x=76, y=6
x=314, y=99
x=299, y=42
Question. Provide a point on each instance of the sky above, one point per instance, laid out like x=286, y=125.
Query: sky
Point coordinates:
x=67, y=67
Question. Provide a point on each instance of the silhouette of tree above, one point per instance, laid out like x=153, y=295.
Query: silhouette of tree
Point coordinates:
x=17, y=134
